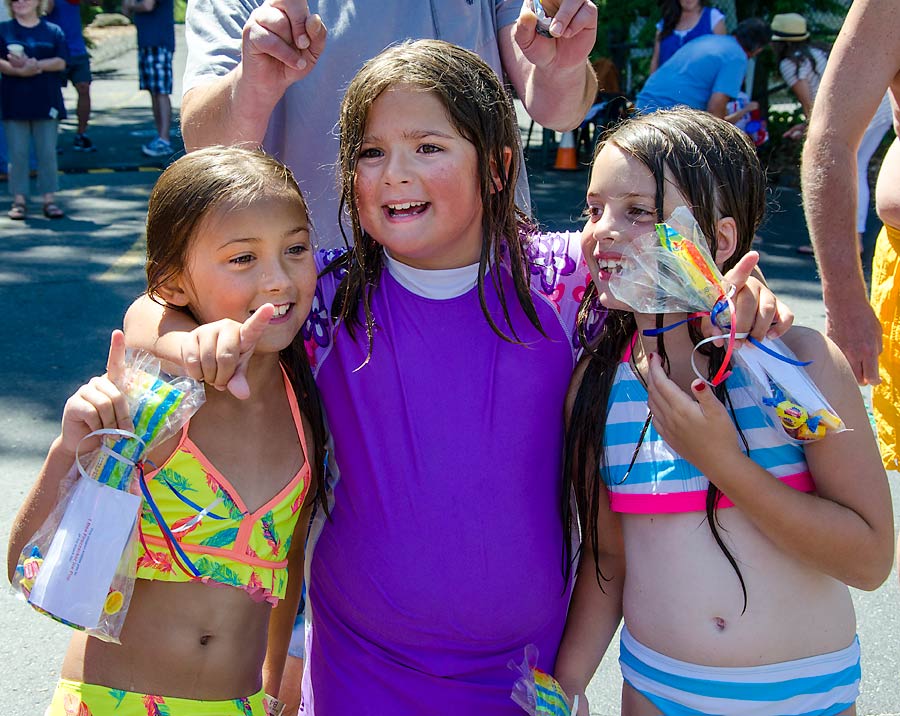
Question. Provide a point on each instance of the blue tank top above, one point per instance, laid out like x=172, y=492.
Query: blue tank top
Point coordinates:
x=673, y=42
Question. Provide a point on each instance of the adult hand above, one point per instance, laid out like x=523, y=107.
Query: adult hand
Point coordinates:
x=573, y=30
x=280, y=45
x=858, y=333
x=17, y=61
x=218, y=353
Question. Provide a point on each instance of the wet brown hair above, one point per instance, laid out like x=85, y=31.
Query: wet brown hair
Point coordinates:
x=714, y=166
x=184, y=196
x=481, y=111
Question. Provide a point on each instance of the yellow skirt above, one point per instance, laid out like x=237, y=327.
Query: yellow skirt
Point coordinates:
x=72, y=698
x=886, y=304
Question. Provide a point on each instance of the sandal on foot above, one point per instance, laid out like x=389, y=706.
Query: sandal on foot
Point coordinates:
x=16, y=212
x=52, y=211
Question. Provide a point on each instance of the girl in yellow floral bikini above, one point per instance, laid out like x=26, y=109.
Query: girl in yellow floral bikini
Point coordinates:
x=227, y=237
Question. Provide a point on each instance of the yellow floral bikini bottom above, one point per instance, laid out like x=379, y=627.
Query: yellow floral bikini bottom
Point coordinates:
x=72, y=698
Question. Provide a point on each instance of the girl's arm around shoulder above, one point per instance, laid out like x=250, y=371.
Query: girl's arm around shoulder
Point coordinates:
x=215, y=353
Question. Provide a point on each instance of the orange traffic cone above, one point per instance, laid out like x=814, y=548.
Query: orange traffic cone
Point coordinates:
x=566, y=154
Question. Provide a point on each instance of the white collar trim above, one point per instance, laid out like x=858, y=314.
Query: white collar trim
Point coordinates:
x=433, y=283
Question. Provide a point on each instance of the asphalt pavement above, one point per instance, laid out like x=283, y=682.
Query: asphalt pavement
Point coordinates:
x=65, y=285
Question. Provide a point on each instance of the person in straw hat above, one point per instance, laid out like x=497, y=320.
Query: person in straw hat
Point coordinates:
x=802, y=66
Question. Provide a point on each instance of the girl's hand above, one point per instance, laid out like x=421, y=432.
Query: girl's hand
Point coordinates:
x=757, y=310
x=700, y=429
x=218, y=353
x=98, y=404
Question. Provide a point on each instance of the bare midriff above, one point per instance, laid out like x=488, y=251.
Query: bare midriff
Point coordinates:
x=684, y=599
x=186, y=640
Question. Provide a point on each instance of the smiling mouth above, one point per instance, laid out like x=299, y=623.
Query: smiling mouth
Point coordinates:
x=410, y=208
x=281, y=310
x=609, y=266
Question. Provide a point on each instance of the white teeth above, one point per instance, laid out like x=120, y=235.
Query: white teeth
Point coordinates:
x=281, y=309
x=407, y=205
x=609, y=265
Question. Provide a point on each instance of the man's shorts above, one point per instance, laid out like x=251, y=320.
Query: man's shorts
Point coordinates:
x=78, y=69
x=155, y=67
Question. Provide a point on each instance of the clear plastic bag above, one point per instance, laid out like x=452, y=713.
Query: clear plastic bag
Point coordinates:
x=538, y=693
x=789, y=394
x=672, y=271
x=79, y=567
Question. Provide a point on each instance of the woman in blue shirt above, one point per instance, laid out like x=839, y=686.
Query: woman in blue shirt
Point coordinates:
x=683, y=21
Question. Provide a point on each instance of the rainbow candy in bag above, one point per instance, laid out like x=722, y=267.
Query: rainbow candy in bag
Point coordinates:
x=79, y=568
x=538, y=693
x=672, y=271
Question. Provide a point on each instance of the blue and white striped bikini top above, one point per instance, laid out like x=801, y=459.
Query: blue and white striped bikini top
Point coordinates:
x=660, y=480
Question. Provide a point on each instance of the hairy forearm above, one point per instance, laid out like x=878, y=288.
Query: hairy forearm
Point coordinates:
x=829, y=198
x=560, y=99
x=226, y=111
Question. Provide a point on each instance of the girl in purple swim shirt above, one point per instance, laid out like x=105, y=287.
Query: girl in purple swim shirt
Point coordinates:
x=442, y=344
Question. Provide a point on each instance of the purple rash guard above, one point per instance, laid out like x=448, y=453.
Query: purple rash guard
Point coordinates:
x=442, y=558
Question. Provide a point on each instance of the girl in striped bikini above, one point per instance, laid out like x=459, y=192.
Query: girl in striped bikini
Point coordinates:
x=749, y=613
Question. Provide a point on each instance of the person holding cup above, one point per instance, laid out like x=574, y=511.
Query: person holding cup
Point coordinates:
x=32, y=54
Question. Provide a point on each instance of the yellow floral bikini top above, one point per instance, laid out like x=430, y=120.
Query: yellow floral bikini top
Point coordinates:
x=208, y=533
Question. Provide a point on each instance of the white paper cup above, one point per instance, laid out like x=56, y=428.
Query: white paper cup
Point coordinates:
x=15, y=49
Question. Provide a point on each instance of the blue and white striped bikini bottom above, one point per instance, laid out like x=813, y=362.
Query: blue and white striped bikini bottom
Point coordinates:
x=824, y=685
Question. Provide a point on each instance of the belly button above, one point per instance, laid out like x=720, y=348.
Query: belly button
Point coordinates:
x=204, y=640
x=720, y=623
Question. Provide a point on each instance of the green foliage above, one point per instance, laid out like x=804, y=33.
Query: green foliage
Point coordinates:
x=615, y=20
x=180, y=9
x=88, y=12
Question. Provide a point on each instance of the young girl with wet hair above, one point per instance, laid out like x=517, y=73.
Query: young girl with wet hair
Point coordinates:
x=443, y=344
x=750, y=612
x=227, y=237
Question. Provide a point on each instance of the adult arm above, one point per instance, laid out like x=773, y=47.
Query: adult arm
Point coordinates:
x=848, y=515
x=864, y=61
x=552, y=75
x=718, y=104
x=803, y=92
x=261, y=49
